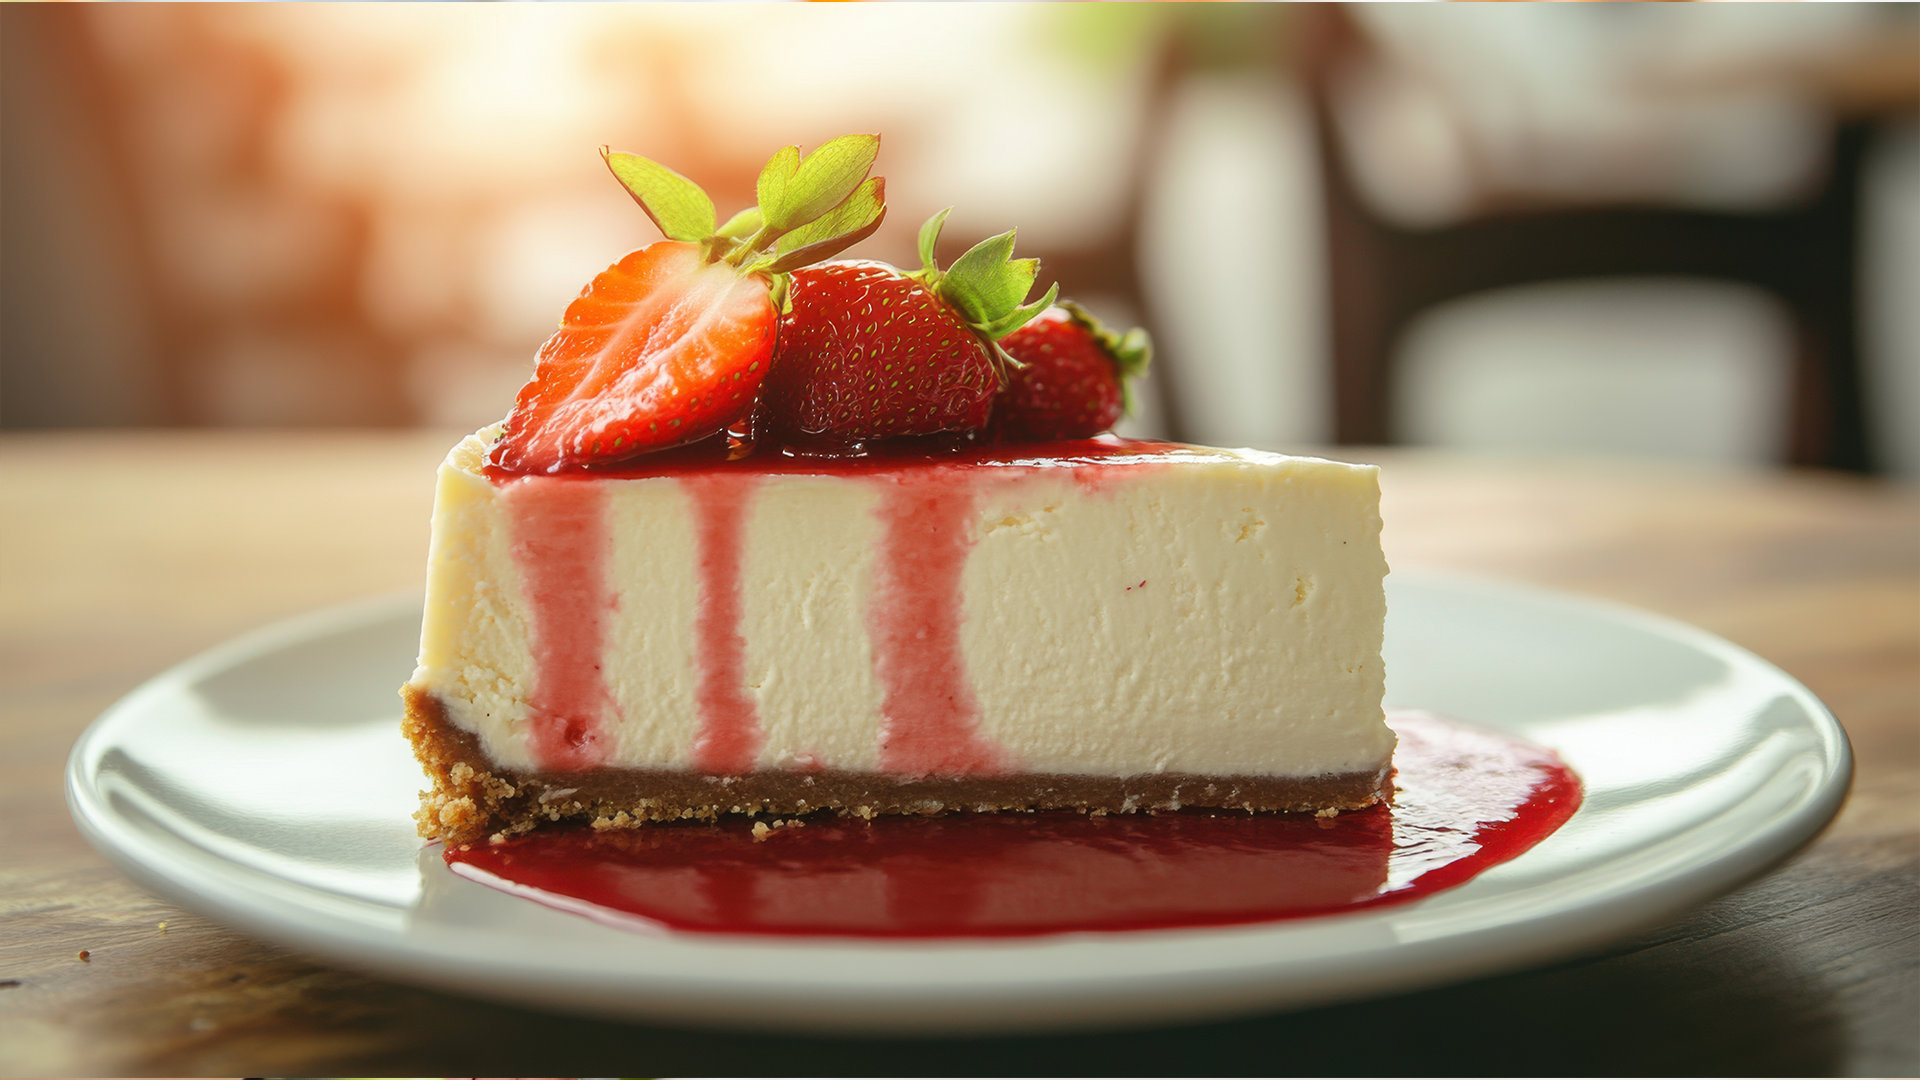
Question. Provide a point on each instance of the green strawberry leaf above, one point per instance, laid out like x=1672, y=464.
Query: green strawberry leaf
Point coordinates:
x=1022, y=315
x=989, y=282
x=730, y=241
x=986, y=286
x=793, y=191
x=775, y=178
x=1133, y=352
x=741, y=225
x=929, y=236
x=676, y=204
x=845, y=225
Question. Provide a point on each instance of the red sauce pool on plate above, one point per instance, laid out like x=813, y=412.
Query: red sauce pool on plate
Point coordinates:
x=1466, y=799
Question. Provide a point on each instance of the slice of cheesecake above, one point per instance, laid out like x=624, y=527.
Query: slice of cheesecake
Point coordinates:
x=1101, y=625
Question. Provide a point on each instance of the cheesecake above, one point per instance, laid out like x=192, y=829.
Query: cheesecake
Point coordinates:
x=1099, y=625
x=772, y=533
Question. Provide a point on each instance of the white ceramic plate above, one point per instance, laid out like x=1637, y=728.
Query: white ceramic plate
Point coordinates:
x=266, y=785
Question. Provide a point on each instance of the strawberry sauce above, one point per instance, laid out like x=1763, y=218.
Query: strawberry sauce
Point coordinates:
x=718, y=455
x=560, y=541
x=929, y=717
x=730, y=736
x=1467, y=800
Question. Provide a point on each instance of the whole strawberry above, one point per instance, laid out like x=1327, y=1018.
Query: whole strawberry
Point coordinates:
x=671, y=344
x=1073, y=379
x=870, y=352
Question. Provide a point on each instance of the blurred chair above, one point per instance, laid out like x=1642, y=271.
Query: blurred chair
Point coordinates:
x=1384, y=274
x=1186, y=42
x=158, y=269
x=79, y=323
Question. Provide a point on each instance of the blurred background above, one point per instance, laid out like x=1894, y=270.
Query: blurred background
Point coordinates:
x=1679, y=231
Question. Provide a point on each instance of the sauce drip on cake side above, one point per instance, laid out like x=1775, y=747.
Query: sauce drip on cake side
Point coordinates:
x=730, y=733
x=930, y=717
x=559, y=537
x=1467, y=800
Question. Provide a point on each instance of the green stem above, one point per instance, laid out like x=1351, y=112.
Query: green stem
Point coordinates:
x=752, y=245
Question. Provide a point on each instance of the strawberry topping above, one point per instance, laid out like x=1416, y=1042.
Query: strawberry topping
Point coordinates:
x=870, y=353
x=1072, y=378
x=661, y=349
x=722, y=323
x=671, y=344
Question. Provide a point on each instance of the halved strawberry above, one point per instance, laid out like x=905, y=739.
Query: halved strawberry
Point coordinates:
x=671, y=343
x=1075, y=378
x=662, y=348
x=868, y=351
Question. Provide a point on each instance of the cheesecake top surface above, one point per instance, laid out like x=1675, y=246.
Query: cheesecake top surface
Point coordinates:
x=722, y=456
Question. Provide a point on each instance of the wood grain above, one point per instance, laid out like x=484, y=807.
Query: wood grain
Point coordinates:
x=123, y=554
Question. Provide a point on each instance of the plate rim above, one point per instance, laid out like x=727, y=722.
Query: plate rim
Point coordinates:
x=1024, y=1004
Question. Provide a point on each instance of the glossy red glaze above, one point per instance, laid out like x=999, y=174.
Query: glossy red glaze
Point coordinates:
x=730, y=735
x=1467, y=800
x=557, y=529
x=929, y=718
x=721, y=454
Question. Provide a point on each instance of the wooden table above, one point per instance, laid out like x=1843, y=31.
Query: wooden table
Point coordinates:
x=121, y=554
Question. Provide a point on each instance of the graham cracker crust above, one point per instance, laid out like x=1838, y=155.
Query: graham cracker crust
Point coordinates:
x=472, y=799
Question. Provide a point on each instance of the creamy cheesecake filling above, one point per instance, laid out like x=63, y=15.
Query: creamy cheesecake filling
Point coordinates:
x=1133, y=609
